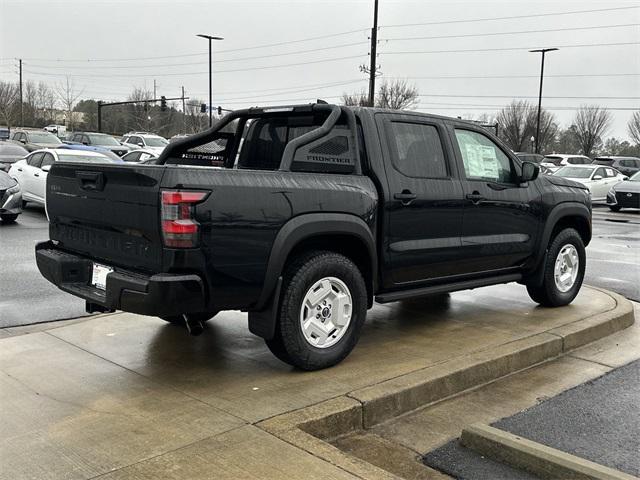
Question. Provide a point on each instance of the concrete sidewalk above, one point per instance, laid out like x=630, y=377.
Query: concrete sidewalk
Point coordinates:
x=127, y=396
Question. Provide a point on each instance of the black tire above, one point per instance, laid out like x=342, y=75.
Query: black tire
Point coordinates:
x=9, y=217
x=548, y=294
x=289, y=343
x=615, y=208
x=178, y=320
x=24, y=204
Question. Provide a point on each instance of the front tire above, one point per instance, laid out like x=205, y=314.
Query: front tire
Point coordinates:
x=563, y=270
x=323, y=308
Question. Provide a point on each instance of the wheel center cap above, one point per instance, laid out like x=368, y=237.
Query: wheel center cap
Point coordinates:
x=325, y=312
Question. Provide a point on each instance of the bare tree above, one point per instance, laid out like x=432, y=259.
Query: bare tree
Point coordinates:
x=591, y=122
x=397, y=95
x=46, y=101
x=140, y=114
x=517, y=124
x=359, y=99
x=633, y=127
x=394, y=95
x=195, y=121
x=512, y=121
x=68, y=95
x=8, y=102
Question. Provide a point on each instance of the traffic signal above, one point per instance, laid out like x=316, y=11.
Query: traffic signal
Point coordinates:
x=219, y=111
x=203, y=108
x=163, y=103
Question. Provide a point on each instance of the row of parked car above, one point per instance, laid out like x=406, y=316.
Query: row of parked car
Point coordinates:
x=605, y=177
x=26, y=157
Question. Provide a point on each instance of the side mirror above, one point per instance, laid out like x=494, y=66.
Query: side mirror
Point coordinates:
x=46, y=168
x=22, y=140
x=85, y=143
x=597, y=177
x=625, y=178
x=140, y=144
x=530, y=172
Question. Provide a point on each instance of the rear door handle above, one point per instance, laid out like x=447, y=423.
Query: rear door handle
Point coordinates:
x=406, y=197
x=19, y=169
x=36, y=174
x=475, y=197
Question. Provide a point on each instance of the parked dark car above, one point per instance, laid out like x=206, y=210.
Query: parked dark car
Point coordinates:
x=5, y=133
x=101, y=140
x=10, y=153
x=35, y=139
x=316, y=211
x=625, y=194
x=10, y=198
x=626, y=165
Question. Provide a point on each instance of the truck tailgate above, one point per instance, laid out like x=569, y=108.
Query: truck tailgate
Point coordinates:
x=107, y=212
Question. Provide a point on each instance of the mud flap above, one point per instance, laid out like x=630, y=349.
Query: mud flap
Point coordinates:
x=263, y=323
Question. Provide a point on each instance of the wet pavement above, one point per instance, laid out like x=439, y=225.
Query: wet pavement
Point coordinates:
x=134, y=397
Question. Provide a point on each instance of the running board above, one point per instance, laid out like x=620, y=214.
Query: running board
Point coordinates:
x=447, y=287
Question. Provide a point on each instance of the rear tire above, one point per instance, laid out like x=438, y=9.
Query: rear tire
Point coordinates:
x=615, y=208
x=179, y=320
x=563, y=270
x=323, y=293
x=9, y=217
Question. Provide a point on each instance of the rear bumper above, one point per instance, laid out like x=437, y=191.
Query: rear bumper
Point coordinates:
x=157, y=295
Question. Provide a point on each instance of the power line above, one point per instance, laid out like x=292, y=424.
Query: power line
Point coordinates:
x=344, y=45
x=476, y=77
x=502, y=49
x=491, y=34
x=266, y=45
x=587, y=97
x=485, y=19
x=198, y=73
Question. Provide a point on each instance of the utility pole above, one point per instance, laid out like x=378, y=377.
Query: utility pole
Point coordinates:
x=184, y=113
x=21, y=106
x=543, y=51
x=154, y=88
x=374, y=43
x=209, y=37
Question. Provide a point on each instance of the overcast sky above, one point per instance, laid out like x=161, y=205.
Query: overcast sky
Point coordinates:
x=108, y=48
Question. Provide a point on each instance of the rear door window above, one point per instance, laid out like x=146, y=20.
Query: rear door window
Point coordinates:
x=35, y=160
x=417, y=150
x=47, y=159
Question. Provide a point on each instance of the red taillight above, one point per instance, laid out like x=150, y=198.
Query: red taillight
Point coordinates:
x=179, y=228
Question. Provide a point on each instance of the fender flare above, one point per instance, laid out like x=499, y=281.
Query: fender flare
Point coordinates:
x=262, y=316
x=567, y=209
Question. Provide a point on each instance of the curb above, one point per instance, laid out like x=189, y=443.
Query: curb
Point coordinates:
x=543, y=461
x=312, y=427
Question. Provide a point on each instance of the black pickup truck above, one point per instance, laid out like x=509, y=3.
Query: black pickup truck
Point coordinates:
x=303, y=215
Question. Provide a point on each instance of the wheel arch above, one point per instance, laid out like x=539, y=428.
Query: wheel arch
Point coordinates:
x=346, y=234
x=565, y=215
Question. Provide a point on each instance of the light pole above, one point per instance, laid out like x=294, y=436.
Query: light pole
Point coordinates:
x=209, y=37
x=543, y=51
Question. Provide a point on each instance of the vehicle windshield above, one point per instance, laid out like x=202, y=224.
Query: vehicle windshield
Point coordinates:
x=103, y=140
x=84, y=158
x=574, y=172
x=155, y=141
x=43, y=137
x=635, y=177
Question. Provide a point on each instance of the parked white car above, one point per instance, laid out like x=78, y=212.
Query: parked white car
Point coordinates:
x=558, y=160
x=147, y=141
x=31, y=172
x=596, y=178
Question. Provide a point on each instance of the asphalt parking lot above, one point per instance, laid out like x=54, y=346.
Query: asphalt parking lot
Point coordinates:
x=613, y=263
